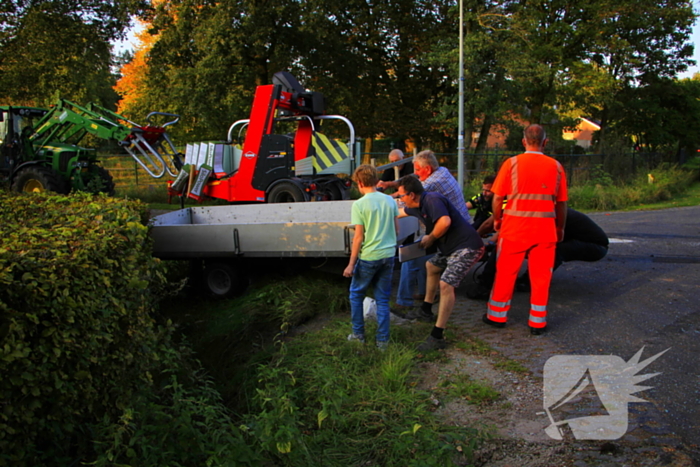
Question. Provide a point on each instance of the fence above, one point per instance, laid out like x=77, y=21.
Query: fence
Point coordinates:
x=127, y=174
x=579, y=168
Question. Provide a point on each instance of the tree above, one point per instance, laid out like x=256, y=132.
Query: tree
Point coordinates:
x=663, y=116
x=638, y=43
x=369, y=60
x=561, y=56
x=391, y=66
x=205, y=61
x=60, y=48
x=372, y=62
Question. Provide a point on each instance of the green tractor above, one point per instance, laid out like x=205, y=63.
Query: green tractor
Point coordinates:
x=40, y=148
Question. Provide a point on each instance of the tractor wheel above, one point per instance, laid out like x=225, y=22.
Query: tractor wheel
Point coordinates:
x=222, y=280
x=38, y=179
x=99, y=180
x=286, y=192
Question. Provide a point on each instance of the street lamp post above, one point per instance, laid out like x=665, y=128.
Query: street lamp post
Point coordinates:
x=460, y=136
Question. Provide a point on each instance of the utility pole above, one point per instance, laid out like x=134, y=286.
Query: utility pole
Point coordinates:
x=460, y=136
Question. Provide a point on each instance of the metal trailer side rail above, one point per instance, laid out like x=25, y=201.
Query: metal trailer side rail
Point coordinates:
x=321, y=229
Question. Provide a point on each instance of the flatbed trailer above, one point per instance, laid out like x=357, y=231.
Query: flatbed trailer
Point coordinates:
x=228, y=238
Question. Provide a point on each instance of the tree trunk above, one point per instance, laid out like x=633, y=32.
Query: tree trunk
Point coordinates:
x=484, y=134
x=600, y=145
x=368, y=148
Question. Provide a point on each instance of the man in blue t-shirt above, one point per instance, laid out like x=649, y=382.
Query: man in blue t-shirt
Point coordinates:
x=458, y=248
x=433, y=178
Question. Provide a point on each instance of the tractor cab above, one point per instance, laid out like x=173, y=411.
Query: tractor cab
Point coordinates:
x=16, y=124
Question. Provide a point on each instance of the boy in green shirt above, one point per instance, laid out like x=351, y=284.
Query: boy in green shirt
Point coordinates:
x=372, y=254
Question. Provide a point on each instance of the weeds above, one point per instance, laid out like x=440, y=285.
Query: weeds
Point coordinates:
x=313, y=398
x=180, y=424
x=601, y=194
x=462, y=386
x=512, y=366
x=324, y=401
x=474, y=345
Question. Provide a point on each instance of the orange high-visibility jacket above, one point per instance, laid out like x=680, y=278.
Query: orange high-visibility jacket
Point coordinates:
x=533, y=183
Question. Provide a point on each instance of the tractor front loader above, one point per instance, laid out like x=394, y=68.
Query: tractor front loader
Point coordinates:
x=40, y=149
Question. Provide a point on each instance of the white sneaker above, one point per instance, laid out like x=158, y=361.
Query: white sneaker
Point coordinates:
x=356, y=338
x=382, y=345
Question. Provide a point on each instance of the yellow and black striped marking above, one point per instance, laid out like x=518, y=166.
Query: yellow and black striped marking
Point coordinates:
x=328, y=151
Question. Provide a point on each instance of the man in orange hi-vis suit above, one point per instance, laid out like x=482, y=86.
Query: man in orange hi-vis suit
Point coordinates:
x=530, y=226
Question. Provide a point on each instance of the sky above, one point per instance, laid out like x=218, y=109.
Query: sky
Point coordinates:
x=695, y=39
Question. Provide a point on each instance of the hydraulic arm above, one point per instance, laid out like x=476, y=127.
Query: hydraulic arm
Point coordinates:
x=149, y=145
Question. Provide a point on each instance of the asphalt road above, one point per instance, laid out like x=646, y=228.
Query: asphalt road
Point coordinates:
x=644, y=294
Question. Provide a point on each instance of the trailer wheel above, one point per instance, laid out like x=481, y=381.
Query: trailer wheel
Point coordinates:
x=222, y=280
x=285, y=192
x=38, y=179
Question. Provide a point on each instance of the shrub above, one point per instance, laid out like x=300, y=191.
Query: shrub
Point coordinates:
x=182, y=423
x=602, y=194
x=76, y=337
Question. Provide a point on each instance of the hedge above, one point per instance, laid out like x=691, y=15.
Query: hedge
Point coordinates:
x=76, y=336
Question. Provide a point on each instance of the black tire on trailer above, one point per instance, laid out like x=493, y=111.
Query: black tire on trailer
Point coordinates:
x=335, y=191
x=223, y=280
x=38, y=179
x=100, y=181
x=286, y=192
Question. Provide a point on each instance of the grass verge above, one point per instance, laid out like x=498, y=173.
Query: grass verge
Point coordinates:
x=666, y=186
x=312, y=397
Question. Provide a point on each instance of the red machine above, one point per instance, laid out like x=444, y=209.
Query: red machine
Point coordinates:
x=303, y=165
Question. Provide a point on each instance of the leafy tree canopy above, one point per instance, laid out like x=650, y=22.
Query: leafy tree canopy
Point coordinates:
x=60, y=48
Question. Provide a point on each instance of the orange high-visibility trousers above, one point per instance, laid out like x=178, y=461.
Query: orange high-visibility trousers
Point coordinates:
x=510, y=257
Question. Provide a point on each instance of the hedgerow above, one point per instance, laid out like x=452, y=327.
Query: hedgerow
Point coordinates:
x=77, y=339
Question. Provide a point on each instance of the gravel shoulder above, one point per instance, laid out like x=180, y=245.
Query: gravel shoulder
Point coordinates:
x=515, y=422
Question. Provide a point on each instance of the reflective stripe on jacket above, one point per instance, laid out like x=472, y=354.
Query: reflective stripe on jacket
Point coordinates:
x=523, y=204
x=533, y=184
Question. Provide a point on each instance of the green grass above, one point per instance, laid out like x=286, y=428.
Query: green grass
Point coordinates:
x=312, y=397
x=673, y=186
x=474, y=345
x=670, y=187
x=691, y=197
x=511, y=365
x=462, y=386
x=344, y=403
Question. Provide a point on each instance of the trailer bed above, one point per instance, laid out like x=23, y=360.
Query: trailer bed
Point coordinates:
x=313, y=229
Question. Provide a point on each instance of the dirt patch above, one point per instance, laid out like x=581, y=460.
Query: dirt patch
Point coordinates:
x=508, y=416
x=514, y=423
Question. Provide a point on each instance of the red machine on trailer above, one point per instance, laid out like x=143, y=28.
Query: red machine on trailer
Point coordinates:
x=300, y=166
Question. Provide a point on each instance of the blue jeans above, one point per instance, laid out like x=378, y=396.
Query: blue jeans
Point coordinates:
x=413, y=277
x=376, y=274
